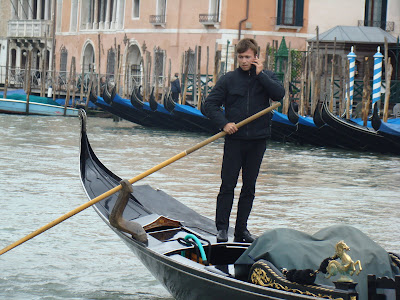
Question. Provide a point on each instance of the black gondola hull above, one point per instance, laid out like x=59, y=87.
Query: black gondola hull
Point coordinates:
x=183, y=276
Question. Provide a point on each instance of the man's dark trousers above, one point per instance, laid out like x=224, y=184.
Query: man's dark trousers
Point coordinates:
x=238, y=154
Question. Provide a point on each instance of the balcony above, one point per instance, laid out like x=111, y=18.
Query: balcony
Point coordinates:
x=387, y=26
x=29, y=29
x=209, y=20
x=157, y=20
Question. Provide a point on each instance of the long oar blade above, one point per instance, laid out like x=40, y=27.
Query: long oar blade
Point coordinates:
x=135, y=179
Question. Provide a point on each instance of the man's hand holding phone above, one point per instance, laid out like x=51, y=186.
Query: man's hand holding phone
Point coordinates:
x=258, y=64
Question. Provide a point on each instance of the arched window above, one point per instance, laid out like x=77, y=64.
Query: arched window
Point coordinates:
x=110, y=63
x=63, y=62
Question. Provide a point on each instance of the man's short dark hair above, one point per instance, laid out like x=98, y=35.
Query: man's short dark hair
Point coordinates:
x=246, y=44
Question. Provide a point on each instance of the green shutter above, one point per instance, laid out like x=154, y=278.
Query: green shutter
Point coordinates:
x=383, y=17
x=366, y=15
x=299, y=12
x=279, y=16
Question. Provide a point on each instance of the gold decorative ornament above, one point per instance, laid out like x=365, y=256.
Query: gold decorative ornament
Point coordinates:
x=346, y=268
x=259, y=276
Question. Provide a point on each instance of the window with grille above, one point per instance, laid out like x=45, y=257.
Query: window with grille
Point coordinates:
x=290, y=12
x=110, y=63
x=63, y=62
x=159, y=64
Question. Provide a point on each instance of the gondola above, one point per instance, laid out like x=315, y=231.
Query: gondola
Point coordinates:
x=361, y=137
x=107, y=104
x=161, y=116
x=315, y=131
x=16, y=103
x=168, y=102
x=101, y=103
x=282, y=130
x=178, y=246
x=390, y=131
x=307, y=131
x=338, y=138
x=190, y=114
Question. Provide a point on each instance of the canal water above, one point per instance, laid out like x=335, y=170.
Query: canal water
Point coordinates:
x=301, y=187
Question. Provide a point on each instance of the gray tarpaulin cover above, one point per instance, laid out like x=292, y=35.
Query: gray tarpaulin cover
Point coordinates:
x=292, y=249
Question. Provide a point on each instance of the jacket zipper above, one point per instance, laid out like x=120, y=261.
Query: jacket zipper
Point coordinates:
x=248, y=102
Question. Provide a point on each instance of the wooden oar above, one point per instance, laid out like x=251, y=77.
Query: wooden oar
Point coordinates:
x=135, y=179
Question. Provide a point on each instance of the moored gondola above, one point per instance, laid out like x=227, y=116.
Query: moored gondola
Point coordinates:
x=282, y=130
x=337, y=137
x=361, y=137
x=162, y=117
x=307, y=131
x=168, y=102
x=179, y=247
x=120, y=107
x=390, y=131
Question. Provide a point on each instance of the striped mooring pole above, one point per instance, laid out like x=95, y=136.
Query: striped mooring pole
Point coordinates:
x=377, y=82
x=352, y=70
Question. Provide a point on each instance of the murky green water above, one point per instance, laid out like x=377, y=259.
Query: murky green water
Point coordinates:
x=304, y=188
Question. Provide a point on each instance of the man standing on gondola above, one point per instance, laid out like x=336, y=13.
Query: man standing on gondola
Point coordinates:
x=176, y=88
x=242, y=92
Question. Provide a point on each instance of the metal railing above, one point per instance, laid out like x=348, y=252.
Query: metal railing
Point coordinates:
x=208, y=18
x=157, y=19
x=388, y=26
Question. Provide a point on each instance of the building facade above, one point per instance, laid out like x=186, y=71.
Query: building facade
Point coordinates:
x=111, y=36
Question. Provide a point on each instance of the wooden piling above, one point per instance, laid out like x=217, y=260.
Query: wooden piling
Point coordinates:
x=73, y=80
x=54, y=80
x=217, y=62
x=198, y=78
x=185, y=85
x=89, y=89
x=207, y=76
x=286, y=83
x=118, y=68
x=388, y=76
x=194, y=85
x=66, y=102
x=302, y=86
x=366, y=92
x=46, y=66
x=168, y=88
x=308, y=83
x=149, y=82
x=325, y=89
x=341, y=80
x=28, y=76
x=164, y=76
x=82, y=78
x=266, y=59
x=7, y=67
x=99, y=64
x=332, y=87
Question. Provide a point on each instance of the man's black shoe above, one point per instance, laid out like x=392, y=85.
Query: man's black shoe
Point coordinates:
x=244, y=237
x=222, y=236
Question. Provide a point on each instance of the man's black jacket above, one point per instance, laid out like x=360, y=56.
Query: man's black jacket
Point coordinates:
x=244, y=93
